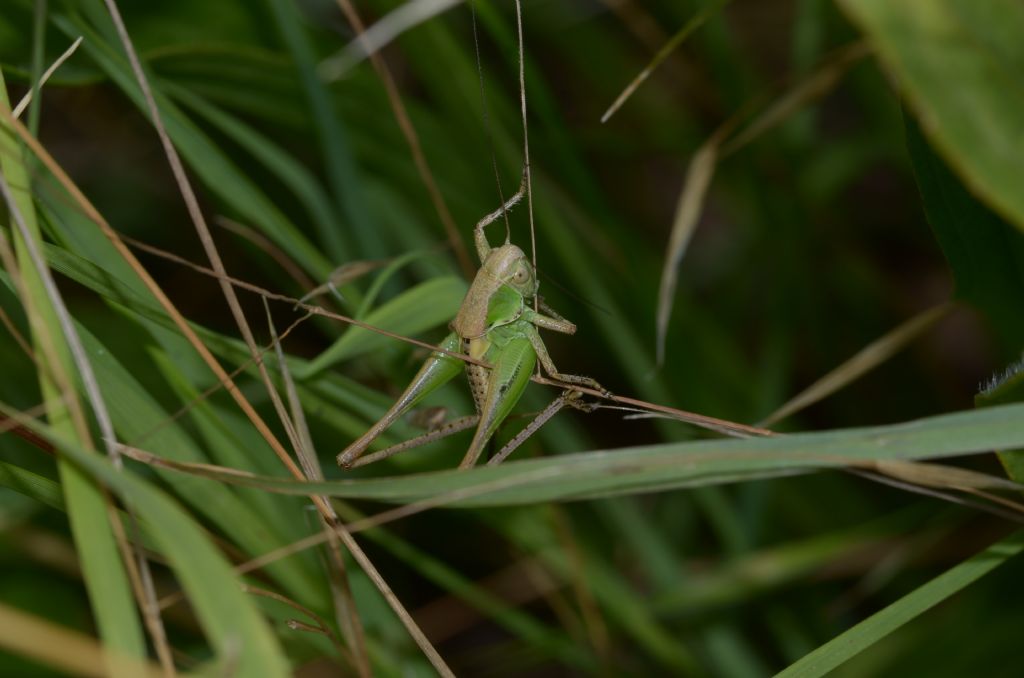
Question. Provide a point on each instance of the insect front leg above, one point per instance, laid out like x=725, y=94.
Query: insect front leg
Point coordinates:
x=554, y=315
x=553, y=321
x=436, y=371
x=480, y=238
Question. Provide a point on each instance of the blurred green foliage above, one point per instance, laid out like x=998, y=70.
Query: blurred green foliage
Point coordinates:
x=816, y=239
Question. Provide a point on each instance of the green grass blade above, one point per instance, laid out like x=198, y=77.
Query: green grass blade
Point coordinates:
x=672, y=465
x=138, y=416
x=435, y=570
x=299, y=180
x=106, y=580
x=239, y=634
x=342, y=171
x=210, y=164
x=879, y=625
x=31, y=484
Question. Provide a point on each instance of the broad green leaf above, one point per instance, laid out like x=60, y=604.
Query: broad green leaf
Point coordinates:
x=960, y=63
x=987, y=258
x=985, y=253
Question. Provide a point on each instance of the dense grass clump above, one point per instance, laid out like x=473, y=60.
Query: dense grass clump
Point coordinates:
x=793, y=251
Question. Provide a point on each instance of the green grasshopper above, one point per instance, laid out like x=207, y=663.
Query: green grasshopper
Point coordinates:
x=496, y=324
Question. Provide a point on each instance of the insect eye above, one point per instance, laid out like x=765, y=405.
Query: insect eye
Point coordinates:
x=520, y=275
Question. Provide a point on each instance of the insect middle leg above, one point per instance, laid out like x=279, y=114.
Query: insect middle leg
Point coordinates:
x=568, y=398
x=549, y=365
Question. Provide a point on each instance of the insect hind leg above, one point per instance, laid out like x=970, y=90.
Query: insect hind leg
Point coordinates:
x=438, y=369
x=443, y=431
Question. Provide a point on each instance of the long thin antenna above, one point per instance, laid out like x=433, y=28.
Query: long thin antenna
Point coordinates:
x=526, y=142
x=487, y=121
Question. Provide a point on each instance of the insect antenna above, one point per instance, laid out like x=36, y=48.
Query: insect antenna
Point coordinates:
x=487, y=121
x=526, y=140
x=548, y=279
x=527, y=185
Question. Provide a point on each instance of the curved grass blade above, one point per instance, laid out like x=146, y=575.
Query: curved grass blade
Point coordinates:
x=401, y=19
x=677, y=39
x=865, y=360
x=688, y=211
x=702, y=168
x=673, y=465
x=27, y=99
